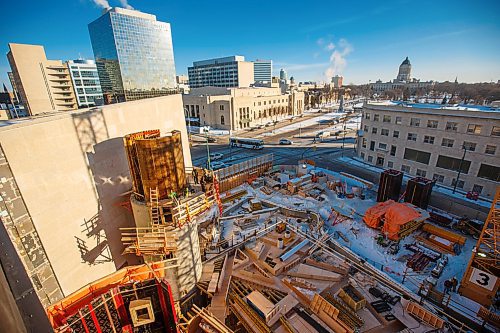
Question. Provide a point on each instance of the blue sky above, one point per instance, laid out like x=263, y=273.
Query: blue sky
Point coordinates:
x=362, y=40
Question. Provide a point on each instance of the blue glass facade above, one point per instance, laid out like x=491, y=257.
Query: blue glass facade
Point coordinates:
x=134, y=55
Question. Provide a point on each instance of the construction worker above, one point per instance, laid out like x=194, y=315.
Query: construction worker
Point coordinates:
x=447, y=286
x=454, y=284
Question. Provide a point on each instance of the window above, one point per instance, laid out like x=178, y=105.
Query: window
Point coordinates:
x=398, y=120
x=390, y=164
x=363, y=143
x=405, y=168
x=470, y=146
x=417, y=155
x=386, y=119
x=429, y=139
x=451, y=126
x=370, y=158
x=363, y=156
x=382, y=146
x=412, y=136
x=367, y=115
x=460, y=183
x=372, y=145
x=447, y=142
x=432, y=123
x=365, y=128
x=474, y=129
x=490, y=150
x=380, y=161
x=438, y=178
x=415, y=122
x=421, y=173
x=393, y=150
x=376, y=117
x=374, y=130
x=451, y=163
x=495, y=131
x=395, y=134
x=384, y=131
x=222, y=120
x=489, y=172
x=477, y=188
x=221, y=107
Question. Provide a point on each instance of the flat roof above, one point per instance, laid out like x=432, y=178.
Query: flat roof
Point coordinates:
x=434, y=106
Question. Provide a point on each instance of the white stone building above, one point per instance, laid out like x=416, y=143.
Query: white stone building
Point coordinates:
x=240, y=108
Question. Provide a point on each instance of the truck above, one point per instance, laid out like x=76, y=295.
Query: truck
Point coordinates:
x=323, y=134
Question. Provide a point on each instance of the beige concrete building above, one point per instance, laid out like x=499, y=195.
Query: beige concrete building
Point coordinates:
x=64, y=180
x=240, y=108
x=429, y=140
x=43, y=85
x=227, y=72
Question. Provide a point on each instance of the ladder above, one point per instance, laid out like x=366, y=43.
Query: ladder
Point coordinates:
x=155, y=208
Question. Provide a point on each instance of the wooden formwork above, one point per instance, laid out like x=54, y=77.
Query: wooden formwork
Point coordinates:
x=424, y=315
x=156, y=162
x=237, y=174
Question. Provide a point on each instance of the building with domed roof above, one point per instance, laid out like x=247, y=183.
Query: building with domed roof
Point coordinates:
x=402, y=82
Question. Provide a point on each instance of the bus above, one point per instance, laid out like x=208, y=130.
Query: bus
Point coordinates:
x=246, y=143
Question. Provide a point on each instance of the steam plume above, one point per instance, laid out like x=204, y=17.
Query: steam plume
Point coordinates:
x=102, y=3
x=338, y=57
x=125, y=4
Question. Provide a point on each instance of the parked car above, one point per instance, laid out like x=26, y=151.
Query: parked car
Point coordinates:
x=285, y=142
x=218, y=165
x=211, y=139
x=260, y=126
x=216, y=156
x=269, y=124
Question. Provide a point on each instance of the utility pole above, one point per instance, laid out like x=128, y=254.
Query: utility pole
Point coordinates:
x=460, y=168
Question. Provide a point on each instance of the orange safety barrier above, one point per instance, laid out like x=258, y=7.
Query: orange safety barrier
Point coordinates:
x=374, y=214
x=397, y=215
x=68, y=306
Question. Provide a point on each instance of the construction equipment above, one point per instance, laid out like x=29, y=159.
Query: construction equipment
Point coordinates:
x=468, y=227
x=280, y=227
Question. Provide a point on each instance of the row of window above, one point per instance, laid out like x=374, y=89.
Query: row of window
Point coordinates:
x=469, y=146
x=450, y=125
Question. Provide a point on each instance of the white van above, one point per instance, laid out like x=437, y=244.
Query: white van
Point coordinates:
x=324, y=134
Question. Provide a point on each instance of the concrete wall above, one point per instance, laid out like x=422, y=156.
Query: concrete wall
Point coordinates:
x=71, y=169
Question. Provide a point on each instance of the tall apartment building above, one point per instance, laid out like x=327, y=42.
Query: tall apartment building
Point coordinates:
x=430, y=140
x=227, y=72
x=262, y=70
x=86, y=82
x=283, y=75
x=134, y=55
x=43, y=85
x=240, y=108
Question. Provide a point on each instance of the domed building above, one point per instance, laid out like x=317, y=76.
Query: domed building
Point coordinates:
x=402, y=82
x=404, y=73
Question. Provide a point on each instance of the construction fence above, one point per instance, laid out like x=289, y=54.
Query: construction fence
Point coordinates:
x=237, y=174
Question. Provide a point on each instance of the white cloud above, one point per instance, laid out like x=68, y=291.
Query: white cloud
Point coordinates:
x=330, y=46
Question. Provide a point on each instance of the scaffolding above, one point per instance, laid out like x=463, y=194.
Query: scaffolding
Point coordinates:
x=481, y=279
x=154, y=241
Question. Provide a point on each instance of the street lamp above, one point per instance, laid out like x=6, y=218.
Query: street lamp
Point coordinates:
x=460, y=168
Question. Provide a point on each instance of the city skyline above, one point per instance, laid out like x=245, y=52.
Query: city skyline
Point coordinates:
x=365, y=43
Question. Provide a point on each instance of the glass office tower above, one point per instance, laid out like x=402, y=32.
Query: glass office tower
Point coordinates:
x=134, y=55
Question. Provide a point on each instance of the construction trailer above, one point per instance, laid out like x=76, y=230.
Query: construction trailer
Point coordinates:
x=389, y=185
x=481, y=279
x=418, y=191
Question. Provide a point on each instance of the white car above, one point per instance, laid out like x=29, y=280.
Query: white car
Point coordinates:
x=285, y=142
x=216, y=156
x=218, y=165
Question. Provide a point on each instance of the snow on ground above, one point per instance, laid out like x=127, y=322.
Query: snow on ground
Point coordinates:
x=437, y=187
x=362, y=239
x=305, y=123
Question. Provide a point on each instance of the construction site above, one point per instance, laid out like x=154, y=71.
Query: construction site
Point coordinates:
x=258, y=247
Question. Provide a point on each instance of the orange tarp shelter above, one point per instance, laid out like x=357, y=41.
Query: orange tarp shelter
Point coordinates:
x=397, y=215
x=374, y=214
